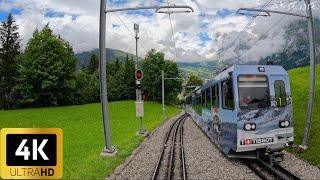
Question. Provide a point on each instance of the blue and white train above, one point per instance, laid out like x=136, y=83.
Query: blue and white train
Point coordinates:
x=246, y=111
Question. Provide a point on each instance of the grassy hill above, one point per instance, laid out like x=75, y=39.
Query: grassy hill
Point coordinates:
x=83, y=133
x=203, y=69
x=300, y=89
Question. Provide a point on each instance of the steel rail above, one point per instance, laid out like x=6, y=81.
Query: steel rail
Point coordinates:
x=157, y=167
x=255, y=170
x=172, y=151
x=276, y=171
x=182, y=155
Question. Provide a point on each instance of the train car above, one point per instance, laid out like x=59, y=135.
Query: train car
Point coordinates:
x=246, y=111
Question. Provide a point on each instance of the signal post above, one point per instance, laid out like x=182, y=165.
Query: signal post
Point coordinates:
x=138, y=75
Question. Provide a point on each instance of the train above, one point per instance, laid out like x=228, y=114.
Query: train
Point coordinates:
x=246, y=111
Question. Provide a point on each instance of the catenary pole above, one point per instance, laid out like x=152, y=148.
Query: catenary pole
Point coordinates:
x=103, y=79
x=163, y=106
x=312, y=75
x=102, y=62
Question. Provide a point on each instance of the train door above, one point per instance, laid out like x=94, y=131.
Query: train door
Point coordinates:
x=215, y=119
x=280, y=90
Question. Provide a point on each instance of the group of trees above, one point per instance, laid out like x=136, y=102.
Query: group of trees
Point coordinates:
x=45, y=73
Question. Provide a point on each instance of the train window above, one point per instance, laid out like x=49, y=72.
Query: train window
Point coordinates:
x=280, y=93
x=227, y=97
x=203, y=100
x=208, y=98
x=215, y=96
x=198, y=107
x=253, y=91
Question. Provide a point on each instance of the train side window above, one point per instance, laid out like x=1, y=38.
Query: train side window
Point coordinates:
x=215, y=96
x=227, y=95
x=203, y=98
x=208, y=98
x=280, y=93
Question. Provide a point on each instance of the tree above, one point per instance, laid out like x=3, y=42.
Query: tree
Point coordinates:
x=129, y=79
x=93, y=64
x=152, y=66
x=9, y=61
x=48, y=69
x=87, y=87
x=193, y=81
x=172, y=86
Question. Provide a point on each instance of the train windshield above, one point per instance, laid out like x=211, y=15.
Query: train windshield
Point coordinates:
x=253, y=91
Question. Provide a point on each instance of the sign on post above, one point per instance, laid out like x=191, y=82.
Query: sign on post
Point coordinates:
x=139, y=109
x=139, y=74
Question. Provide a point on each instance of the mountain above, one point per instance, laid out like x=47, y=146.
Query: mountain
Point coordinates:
x=203, y=69
x=296, y=50
x=84, y=57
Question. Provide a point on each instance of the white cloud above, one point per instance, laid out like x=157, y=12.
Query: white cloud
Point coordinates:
x=224, y=32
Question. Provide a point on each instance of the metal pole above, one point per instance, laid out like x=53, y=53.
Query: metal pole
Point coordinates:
x=138, y=92
x=137, y=38
x=163, y=107
x=312, y=75
x=103, y=79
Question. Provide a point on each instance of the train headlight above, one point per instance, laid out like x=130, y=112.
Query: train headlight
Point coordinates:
x=284, y=124
x=247, y=127
x=250, y=127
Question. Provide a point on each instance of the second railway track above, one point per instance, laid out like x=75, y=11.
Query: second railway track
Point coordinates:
x=171, y=162
x=266, y=171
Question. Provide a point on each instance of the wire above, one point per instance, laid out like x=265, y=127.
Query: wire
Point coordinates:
x=267, y=32
x=250, y=22
x=281, y=2
x=128, y=29
x=172, y=33
x=165, y=2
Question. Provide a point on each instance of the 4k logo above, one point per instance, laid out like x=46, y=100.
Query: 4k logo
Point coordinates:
x=31, y=153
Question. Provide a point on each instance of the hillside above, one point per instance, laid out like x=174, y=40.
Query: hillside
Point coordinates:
x=84, y=57
x=203, y=69
x=299, y=79
x=295, y=52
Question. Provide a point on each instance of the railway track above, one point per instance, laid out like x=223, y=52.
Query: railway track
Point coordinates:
x=266, y=171
x=171, y=162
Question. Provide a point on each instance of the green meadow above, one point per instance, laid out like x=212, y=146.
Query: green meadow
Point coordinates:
x=83, y=133
x=299, y=79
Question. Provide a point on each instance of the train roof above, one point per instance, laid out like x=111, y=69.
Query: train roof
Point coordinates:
x=247, y=69
x=244, y=69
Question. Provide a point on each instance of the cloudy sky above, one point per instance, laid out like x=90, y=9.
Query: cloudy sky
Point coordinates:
x=212, y=32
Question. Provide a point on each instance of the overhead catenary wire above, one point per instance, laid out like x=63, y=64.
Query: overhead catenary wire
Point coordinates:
x=249, y=24
x=128, y=29
x=172, y=33
x=273, y=25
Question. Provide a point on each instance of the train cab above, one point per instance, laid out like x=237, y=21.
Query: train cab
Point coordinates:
x=245, y=109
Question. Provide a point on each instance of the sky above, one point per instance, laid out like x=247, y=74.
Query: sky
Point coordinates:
x=212, y=32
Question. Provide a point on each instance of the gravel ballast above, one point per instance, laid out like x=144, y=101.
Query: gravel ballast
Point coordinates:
x=203, y=159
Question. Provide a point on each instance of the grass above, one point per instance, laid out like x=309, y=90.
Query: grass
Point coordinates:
x=83, y=133
x=300, y=90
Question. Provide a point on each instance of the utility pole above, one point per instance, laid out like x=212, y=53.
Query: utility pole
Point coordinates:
x=312, y=47
x=139, y=100
x=163, y=106
x=136, y=30
x=108, y=150
x=309, y=17
x=163, y=80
